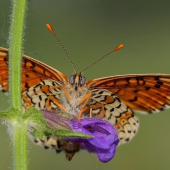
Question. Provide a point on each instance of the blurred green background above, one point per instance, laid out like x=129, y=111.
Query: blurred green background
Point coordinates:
x=89, y=29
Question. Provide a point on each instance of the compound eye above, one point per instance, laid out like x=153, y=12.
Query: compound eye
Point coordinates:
x=82, y=80
x=72, y=79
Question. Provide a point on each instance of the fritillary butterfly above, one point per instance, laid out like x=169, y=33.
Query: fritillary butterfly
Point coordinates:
x=110, y=98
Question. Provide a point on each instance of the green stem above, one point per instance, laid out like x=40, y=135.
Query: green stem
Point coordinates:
x=19, y=128
x=20, y=147
x=15, y=53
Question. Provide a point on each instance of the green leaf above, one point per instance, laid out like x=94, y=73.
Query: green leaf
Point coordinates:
x=69, y=133
x=9, y=115
x=34, y=116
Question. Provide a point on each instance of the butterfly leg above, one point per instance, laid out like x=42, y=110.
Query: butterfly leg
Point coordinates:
x=91, y=112
x=65, y=90
x=67, y=94
x=84, y=99
x=52, y=100
x=100, y=113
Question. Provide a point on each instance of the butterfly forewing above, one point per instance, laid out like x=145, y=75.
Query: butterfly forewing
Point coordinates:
x=33, y=71
x=144, y=93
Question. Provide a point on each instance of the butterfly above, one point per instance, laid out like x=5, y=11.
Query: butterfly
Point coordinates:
x=113, y=98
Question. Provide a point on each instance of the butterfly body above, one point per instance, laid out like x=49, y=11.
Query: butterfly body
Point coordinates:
x=110, y=98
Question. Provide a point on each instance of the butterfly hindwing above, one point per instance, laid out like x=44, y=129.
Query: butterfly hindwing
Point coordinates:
x=106, y=105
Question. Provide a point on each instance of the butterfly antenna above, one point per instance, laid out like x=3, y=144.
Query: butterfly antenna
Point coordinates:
x=51, y=30
x=117, y=48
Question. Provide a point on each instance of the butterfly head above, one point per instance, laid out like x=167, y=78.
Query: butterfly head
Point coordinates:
x=77, y=80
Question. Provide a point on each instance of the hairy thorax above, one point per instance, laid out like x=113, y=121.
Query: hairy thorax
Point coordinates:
x=72, y=105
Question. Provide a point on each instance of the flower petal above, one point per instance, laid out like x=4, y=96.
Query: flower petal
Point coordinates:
x=105, y=138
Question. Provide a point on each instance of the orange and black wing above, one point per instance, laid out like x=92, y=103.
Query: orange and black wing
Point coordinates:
x=146, y=93
x=33, y=72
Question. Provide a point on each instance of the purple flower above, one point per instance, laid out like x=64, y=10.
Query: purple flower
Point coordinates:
x=105, y=138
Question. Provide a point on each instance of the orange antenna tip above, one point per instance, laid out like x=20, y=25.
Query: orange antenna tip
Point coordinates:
x=50, y=28
x=118, y=47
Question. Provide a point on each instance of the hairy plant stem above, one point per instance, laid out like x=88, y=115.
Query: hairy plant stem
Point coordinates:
x=20, y=146
x=15, y=53
x=19, y=128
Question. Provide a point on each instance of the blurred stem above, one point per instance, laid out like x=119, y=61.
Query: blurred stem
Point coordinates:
x=19, y=128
